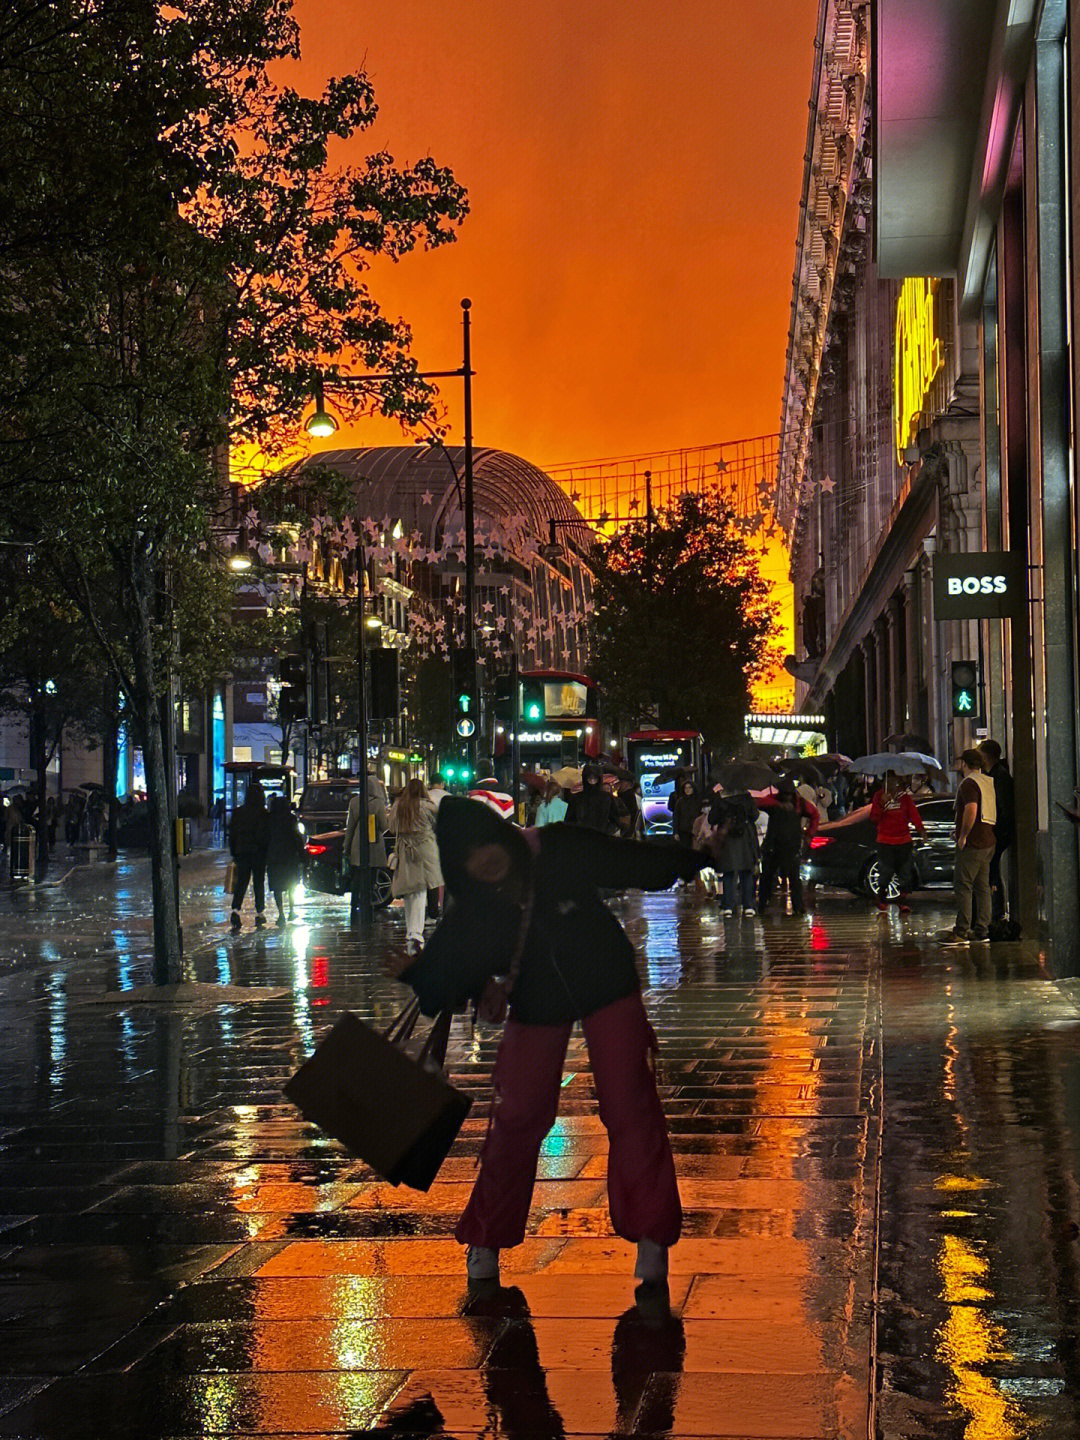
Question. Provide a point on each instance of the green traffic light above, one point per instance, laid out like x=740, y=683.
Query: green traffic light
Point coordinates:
x=965, y=702
x=533, y=711
x=466, y=775
x=464, y=703
x=449, y=772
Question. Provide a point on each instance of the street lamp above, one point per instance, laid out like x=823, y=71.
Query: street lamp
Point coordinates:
x=322, y=424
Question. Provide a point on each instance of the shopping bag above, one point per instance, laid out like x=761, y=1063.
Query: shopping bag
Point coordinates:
x=229, y=883
x=387, y=1105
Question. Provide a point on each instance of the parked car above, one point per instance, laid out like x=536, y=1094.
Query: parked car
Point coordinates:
x=846, y=859
x=324, y=807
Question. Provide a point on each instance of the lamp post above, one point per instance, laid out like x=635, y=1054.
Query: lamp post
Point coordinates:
x=321, y=423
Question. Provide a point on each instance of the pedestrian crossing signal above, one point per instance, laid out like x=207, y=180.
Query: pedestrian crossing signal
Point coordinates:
x=965, y=689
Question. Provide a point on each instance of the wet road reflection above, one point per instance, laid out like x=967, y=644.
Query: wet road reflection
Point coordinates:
x=185, y=1256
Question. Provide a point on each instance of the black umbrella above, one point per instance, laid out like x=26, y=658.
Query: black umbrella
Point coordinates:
x=745, y=775
x=801, y=768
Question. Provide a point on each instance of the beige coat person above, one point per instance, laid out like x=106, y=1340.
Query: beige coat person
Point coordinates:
x=376, y=799
x=417, y=864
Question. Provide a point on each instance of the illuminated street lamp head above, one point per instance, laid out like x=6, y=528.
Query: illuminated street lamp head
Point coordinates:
x=373, y=622
x=240, y=561
x=320, y=423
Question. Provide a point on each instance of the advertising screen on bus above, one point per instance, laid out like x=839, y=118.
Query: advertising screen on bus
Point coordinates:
x=654, y=758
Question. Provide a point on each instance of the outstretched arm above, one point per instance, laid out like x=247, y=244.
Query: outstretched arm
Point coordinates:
x=612, y=863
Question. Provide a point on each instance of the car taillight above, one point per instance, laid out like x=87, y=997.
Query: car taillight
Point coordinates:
x=820, y=841
x=313, y=849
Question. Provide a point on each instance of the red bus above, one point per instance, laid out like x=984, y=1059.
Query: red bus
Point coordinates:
x=558, y=722
x=654, y=757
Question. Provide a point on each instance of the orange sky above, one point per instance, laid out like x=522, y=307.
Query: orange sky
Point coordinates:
x=634, y=172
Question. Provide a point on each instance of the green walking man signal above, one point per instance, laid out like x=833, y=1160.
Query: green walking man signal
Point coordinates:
x=965, y=689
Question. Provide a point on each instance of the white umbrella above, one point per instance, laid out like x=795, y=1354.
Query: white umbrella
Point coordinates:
x=906, y=762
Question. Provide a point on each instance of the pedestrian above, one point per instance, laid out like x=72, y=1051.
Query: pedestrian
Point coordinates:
x=217, y=814
x=976, y=811
x=792, y=821
x=552, y=807
x=997, y=767
x=378, y=810
x=487, y=789
x=894, y=813
x=284, y=856
x=593, y=806
x=526, y=906
x=628, y=805
x=247, y=846
x=416, y=857
x=685, y=806
x=733, y=816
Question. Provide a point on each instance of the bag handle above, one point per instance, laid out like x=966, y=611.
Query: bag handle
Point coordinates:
x=404, y=1023
x=433, y=1051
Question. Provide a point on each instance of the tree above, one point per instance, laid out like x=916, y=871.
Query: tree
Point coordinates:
x=51, y=678
x=682, y=620
x=177, y=261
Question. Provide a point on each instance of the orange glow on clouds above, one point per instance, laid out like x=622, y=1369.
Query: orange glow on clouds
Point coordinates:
x=634, y=175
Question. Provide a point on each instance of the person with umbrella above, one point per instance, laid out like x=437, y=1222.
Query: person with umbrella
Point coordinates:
x=593, y=806
x=527, y=907
x=895, y=816
x=792, y=820
x=552, y=807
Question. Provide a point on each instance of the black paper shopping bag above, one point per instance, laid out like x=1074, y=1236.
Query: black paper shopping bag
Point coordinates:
x=384, y=1104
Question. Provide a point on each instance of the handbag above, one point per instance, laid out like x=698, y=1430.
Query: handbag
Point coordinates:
x=494, y=999
x=229, y=883
x=387, y=1103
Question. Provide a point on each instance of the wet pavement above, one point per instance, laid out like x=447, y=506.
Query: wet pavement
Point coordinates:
x=876, y=1141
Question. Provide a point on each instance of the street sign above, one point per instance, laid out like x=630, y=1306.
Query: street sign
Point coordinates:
x=466, y=728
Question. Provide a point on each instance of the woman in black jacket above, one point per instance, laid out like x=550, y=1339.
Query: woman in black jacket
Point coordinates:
x=284, y=855
x=525, y=905
x=247, y=845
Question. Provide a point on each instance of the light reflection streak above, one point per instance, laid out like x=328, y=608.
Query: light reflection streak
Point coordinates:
x=969, y=1339
x=57, y=1029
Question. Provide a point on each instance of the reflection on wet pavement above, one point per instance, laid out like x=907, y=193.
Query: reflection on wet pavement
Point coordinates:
x=875, y=1140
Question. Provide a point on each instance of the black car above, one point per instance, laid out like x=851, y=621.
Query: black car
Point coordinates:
x=324, y=807
x=846, y=859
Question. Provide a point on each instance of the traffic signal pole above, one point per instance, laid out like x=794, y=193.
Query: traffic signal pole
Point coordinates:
x=470, y=517
x=361, y=910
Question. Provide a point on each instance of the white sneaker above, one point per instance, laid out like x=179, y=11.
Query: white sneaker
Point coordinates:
x=481, y=1263
x=749, y=911
x=651, y=1261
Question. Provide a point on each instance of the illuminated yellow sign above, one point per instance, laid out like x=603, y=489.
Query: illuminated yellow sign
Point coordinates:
x=920, y=355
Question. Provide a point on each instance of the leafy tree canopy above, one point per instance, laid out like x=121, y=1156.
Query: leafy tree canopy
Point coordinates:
x=682, y=619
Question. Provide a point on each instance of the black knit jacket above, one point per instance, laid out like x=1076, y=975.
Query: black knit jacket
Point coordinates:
x=577, y=958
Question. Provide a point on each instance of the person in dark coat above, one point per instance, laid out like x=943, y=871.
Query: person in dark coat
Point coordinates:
x=593, y=806
x=525, y=905
x=685, y=807
x=284, y=855
x=997, y=767
x=781, y=851
x=247, y=846
x=733, y=817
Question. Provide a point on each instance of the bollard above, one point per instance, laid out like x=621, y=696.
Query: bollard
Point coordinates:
x=22, y=853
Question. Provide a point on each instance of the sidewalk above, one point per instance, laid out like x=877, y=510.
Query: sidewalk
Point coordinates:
x=876, y=1142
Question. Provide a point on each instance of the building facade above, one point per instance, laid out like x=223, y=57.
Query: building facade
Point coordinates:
x=928, y=399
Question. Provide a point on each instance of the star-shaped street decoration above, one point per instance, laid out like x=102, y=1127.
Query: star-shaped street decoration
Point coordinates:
x=721, y=465
x=828, y=485
x=604, y=517
x=426, y=498
x=575, y=496
x=487, y=607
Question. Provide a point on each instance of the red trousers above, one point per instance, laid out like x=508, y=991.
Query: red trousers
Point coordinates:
x=643, y=1195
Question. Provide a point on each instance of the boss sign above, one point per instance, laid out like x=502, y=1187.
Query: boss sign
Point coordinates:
x=978, y=585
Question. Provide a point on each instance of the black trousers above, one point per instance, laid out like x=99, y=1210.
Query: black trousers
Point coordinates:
x=998, y=897
x=893, y=860
x=786, y=865
x=255, y=871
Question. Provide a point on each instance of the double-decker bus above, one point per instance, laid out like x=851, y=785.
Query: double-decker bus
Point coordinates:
x=558, y=723
x=654, y=757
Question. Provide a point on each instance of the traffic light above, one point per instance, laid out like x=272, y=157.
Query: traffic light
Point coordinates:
x=965, y=689
x=383, y=704
x=466, y=692
x=532, y=701
x=292, y=704
x=503, y=696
